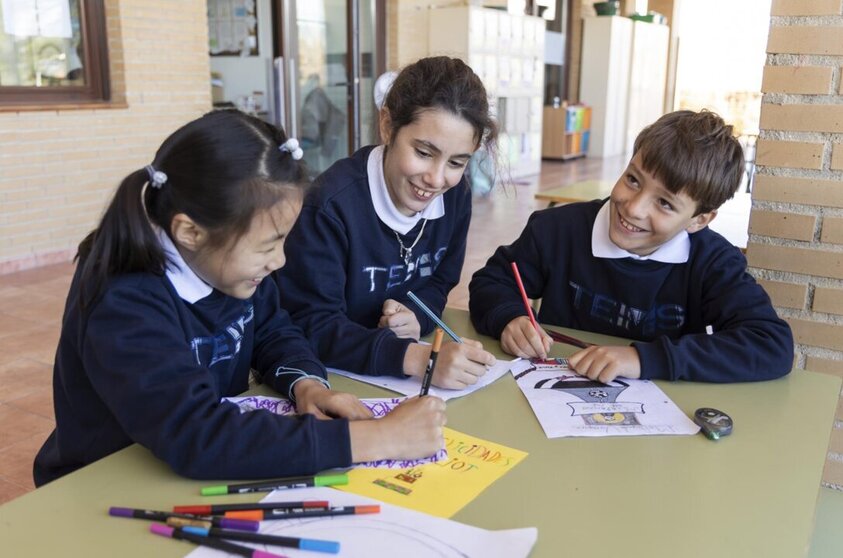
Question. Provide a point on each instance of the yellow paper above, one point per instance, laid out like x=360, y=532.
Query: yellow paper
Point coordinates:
x=440, y=488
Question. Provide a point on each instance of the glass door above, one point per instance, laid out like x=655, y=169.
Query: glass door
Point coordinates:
x=324, y=76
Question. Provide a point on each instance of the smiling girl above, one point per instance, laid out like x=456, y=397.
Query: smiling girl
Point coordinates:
x=390, y=219
x=169, y=310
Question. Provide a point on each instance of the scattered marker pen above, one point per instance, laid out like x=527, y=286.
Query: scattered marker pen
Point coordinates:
x=315, y=545
x=264, y=515
x=217, y=509
x=153, y=515
x=231, y=548
x=277, y=484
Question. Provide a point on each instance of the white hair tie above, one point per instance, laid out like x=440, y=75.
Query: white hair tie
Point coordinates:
x=156, y=178
x=382, y=86
x=292, y=146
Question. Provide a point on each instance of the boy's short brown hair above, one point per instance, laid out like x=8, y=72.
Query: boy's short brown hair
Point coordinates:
x=694, y=153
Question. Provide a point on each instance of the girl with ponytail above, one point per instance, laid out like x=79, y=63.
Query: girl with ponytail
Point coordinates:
x=169, y=311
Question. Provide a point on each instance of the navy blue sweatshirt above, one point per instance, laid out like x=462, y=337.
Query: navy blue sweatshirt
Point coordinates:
x=343, y=262
x=664, y=307
x=142, y=365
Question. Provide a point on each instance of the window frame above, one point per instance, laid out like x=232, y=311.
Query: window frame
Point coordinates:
x=97, y=87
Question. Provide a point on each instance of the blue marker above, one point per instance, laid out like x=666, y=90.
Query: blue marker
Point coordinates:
x=433, y=317
x=316, y=545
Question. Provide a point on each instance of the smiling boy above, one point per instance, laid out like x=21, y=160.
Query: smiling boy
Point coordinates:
x=644, y=265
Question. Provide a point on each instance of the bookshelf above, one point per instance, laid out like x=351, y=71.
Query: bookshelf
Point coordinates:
x=566, y=132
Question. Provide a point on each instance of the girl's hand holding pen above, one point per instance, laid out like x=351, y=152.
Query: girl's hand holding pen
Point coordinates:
x=412, y=430
x=461, y=364
x=457, y=366
x=604, y=363
x=520, y=338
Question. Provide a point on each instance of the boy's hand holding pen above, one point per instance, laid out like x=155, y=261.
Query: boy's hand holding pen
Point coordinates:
x=521, y=338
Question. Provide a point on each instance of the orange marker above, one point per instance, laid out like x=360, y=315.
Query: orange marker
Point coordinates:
x=282, y=513
x=434, y=352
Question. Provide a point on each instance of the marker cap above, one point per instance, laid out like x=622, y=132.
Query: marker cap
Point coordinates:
x=195, y=510
x=330, y=480
x=120, y=512
x=245, y=515
x=197, y=531
x=162, y=530
x=374, y=508
x=319, y=546
x=186, y=521
x=214, y=490
x=240, y=524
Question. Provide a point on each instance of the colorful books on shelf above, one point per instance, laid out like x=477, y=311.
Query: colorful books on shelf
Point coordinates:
x=566, y=131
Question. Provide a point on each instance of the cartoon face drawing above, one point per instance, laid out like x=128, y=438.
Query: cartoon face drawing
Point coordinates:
x=591, y=391
x=585, y=389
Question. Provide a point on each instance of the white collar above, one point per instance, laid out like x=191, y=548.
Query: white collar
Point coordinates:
x=386, y=210
x=190, y=287
x=674, y=251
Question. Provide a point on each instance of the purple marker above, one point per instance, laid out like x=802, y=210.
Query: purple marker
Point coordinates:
x=218, y=544
x=153, y=515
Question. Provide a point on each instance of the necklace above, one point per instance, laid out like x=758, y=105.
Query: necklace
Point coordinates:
x=405, y=252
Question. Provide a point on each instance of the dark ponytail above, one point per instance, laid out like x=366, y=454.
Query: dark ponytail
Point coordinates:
x=124, y=241
x=220, y=170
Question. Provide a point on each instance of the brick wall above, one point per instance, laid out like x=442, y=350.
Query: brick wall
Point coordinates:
x=796, y=227
x=58, y=168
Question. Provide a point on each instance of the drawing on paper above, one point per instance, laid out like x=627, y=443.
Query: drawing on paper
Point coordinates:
x=409, y=476
x=379, y=407
x=568, y=404
x=444, y=487
x=598, y=401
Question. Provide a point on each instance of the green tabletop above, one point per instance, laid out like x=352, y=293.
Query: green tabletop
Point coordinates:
x=753, y=493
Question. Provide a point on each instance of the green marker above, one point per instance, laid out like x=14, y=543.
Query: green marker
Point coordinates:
x=276, y=484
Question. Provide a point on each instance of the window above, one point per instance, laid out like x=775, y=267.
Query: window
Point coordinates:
x=52, y=52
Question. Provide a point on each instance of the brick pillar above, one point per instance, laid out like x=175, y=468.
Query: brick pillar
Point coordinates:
x=796, y=226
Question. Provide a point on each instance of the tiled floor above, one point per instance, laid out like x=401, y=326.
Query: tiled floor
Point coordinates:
x=31, y=304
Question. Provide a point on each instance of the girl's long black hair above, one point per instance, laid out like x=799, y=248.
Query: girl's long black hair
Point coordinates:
x=221, y=169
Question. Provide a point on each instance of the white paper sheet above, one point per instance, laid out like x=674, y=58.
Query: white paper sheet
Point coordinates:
x=412, y=385
x=380, y=407
x=567, y=404
x=392, y=532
